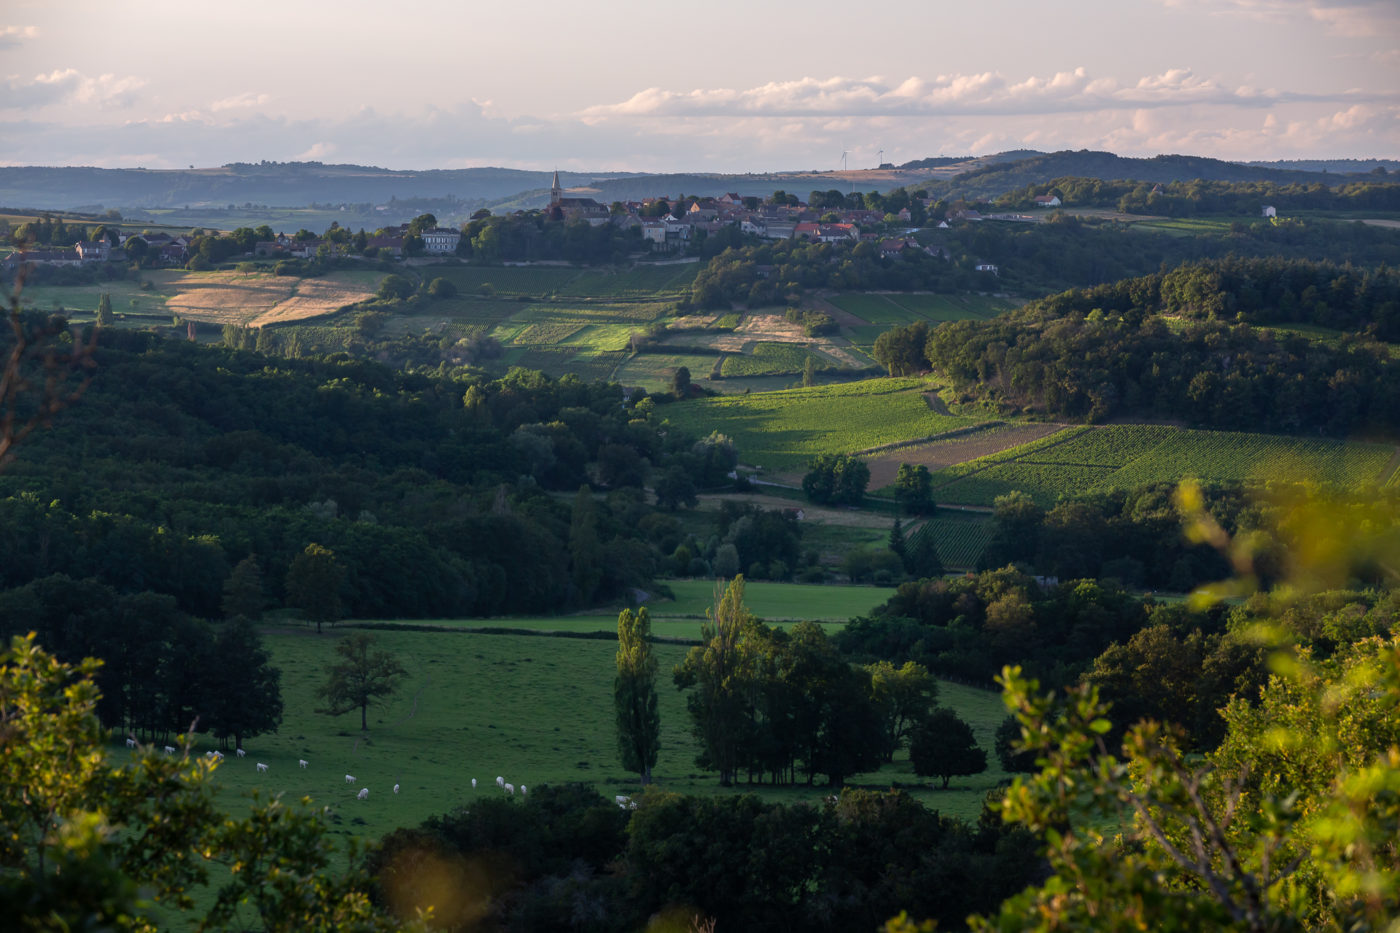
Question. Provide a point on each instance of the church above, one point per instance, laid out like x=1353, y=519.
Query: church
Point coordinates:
x=586, y=209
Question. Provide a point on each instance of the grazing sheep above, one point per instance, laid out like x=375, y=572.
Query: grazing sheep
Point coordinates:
x=262, y=768
x=500, y=781
x=170, y=749
x=396, y=788
x=302, y=762
x=349, y=779
x=625, y=802
x=524, y=791
x=241, y=753
x=510, y=789
x=473, y=783
x=363, y=794
x=130, y=743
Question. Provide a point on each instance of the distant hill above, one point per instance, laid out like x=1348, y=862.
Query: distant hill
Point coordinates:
x=284, y=184
x=1344, y=166
x=300, y=184
x=1000, y=177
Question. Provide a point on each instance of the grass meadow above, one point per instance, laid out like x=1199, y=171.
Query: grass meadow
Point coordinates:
x=784, y=430
x=886, y=309
x=534, y=709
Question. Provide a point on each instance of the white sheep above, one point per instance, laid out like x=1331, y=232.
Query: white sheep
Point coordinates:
x=241, y=753
x=625, y=802
x=396, y=788
x=349, y=779
x=130, y=743
x=510, y=790
x=262, y=768
x=302, y=762
x=500, y=781
x=524, y=791
x=473, y=783
x=363, y=794
x=170, y=749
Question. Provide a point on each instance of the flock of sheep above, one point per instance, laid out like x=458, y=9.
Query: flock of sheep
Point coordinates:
x=349, y=778
x=622, y=800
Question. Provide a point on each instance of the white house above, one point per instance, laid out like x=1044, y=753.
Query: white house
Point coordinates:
x=1047, y=200
x=1269, y=211
x=441, y=240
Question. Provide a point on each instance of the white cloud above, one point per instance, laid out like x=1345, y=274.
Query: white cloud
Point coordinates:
x=13, y=36
x=984, y=94
x=240, y=101
x=69, y=85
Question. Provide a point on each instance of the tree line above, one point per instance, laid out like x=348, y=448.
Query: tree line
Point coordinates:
x=1052, y=356
x=1200, y=196
x=431, y=490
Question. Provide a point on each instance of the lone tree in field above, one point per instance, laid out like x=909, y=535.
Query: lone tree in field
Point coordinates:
x=634, y=694
x=363, y=674
x=313, y=584
x=104, y=310
x=943, y=746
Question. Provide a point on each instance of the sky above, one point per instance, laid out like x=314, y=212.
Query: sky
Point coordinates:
x=716, y=86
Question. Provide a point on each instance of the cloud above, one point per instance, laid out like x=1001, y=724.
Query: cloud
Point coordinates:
x=985, y=94
x=68, y=85
x=1352, y=19
x=14, y=36
x=240, y=101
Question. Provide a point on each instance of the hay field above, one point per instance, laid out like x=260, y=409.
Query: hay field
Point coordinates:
x=260, y=298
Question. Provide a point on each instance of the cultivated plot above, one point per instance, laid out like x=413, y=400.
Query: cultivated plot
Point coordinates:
x=1092, y=460
x=785, y=430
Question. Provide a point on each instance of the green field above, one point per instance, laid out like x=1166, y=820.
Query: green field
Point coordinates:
x=1190, y=226
x=785, y=430
x=1081, y=461
x=771, y=359
x=570, y=282
x=535, y=710
x=789, y=601
x=899, y=309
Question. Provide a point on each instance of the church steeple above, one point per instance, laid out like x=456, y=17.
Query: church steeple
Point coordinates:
x=555, y=192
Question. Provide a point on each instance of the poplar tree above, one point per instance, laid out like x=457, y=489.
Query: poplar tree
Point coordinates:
x=634, y=693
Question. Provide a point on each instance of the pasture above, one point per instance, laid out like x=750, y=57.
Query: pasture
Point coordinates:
x=1083, y=460
x=891, y=309
x=782, y=431
x=535, y=710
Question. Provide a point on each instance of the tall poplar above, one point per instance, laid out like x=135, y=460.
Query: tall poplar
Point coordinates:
x=634, y=693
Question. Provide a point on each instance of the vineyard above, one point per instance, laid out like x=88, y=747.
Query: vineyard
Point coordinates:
x=1084, y=460
x=958, y=537
x=771, y=359
x=784, y=430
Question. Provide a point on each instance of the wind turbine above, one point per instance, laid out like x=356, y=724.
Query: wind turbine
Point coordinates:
x=843, y=160
x=880, y=159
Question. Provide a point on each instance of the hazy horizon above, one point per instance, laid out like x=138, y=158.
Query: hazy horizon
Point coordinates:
x=737, y=87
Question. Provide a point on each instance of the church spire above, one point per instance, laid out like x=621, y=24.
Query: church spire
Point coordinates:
x=555, y=192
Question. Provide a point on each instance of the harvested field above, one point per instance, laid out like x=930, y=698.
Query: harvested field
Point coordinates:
x=938, y=454
x=254, y=300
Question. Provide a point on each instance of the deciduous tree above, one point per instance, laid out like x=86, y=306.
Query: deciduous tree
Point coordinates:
x=943, y=746
x=363, y=675
x=313, y=584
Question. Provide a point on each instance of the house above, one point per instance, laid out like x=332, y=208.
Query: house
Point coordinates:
x=987, y=267
x=654, y=232
x=895, y=248
x=731, y=199
x=441, y=241
x=386, y=245
x=1047, y=200
x=1269, y=211
x=92, y=251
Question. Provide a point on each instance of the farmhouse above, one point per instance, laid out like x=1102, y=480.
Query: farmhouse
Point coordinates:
x=1047, y=200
